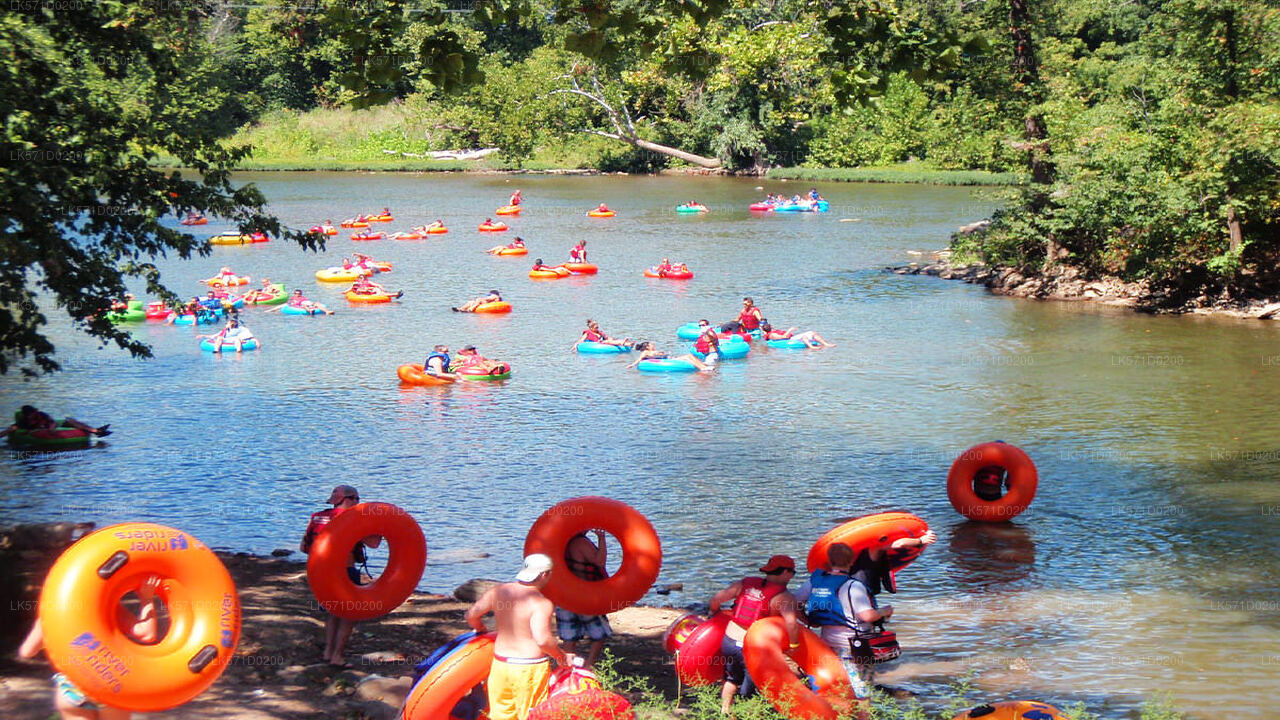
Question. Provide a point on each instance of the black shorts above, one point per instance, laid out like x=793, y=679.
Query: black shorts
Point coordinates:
x=354, y=574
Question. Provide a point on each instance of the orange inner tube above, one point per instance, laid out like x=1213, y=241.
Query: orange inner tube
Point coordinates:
x=766, y=648
x=869, y=531
x=641, y=554
x=581, y=268
x=437, y=230
x=501, y=306
x=356, y=297
x=600, y=214
x=331, y=555
x=415, y=374
x=492, y=227
x=549, y=274
x=79, y=607
x=435, y=695
x=1021, y=480
x=512, y=251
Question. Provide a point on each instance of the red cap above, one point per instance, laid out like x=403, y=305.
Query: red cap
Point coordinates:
x=777, y=562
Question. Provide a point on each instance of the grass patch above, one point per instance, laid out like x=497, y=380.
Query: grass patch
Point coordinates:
x=905, y=173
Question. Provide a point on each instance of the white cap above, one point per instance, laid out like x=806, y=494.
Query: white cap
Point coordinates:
x=534, y=565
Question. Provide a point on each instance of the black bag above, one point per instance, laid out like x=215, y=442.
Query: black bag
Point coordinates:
x=871, y=648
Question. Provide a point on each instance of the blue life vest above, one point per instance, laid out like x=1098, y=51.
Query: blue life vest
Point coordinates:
x=823, y=606
x=444, y=365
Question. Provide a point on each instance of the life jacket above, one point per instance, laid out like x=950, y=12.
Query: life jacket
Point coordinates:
x=318, y=522
x=702, y=344
x=444, y=361
x=824, y=606
x=594, y=336
x=748, y=318
x=753, y=602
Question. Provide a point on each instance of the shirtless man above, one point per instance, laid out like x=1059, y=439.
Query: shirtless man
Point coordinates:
x=521, y=669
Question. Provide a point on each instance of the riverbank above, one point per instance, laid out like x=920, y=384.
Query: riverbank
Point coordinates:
x=1068, y=283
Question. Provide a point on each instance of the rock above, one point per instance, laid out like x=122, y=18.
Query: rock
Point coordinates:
x=43, y=536
x=471, y=590
x=391, y=691
x=381, y=656
x=281, y=552
x=974, y=227
x=1269, y=312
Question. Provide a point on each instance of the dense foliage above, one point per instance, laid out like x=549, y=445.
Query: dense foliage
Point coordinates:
x=1150, y=129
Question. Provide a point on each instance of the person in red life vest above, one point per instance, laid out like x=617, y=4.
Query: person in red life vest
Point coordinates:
x=337, y=630
x=594, y=334
x=708, y=344
x=748, y=319
x=515, y=198
x=585, y=559
x=602, y=208
x=989, y=483
x=539, y=265
x=664, y=267
x=578, y=253
x=754, y=598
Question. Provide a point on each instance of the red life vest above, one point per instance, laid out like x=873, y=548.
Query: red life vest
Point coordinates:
x=749, y=319
x=593, y=336
x=702, y=344
x=753, y=602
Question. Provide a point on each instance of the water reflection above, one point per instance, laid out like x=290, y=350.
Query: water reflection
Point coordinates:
x=989, y=556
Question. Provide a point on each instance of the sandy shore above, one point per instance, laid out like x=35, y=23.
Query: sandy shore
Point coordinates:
x=276, y=672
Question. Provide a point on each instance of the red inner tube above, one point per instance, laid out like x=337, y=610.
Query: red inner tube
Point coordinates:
x=1021, y=480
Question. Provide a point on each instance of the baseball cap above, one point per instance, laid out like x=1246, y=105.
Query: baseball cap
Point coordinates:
x=778, y=562
x=346, y=491
x=534, y=565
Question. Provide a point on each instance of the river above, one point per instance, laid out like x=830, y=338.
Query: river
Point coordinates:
x=1148, y=561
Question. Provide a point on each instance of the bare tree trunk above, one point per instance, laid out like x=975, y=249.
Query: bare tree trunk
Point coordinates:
x=1233, y=228
x=1026, y=73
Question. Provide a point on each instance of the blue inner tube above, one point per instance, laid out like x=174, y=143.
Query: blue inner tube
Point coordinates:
x=688, y=331
x=687, y=209
x=588, y=347
x=729, y=349
x=666, y=365
x=820, y=206
x=250, y=344
x=204, y=318
x=787, y=344
x=294, y=310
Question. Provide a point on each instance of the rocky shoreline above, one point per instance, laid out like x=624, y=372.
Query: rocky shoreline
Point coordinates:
x=1068, y=283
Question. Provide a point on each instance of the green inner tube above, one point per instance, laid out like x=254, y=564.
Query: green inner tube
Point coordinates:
x=23, y=438
x=281, y=296
x=135, y=313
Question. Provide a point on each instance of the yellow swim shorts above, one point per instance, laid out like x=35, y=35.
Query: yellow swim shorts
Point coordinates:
x=516, y=685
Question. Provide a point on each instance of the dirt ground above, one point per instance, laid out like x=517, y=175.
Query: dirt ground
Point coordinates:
x=277, y=673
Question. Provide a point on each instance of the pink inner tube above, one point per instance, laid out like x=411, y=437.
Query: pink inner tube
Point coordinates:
x=763, y=207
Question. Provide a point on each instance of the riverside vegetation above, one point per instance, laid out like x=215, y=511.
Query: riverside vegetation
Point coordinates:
x=1148, y=132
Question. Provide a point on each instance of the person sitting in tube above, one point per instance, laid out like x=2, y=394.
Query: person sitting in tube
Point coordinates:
x=649, y=351
x=437, y=363
x=515, y=198
x=602, y=208
x=708, y=344
x=578, y=253
x=664, y=267
x=471, y=305
x=990, y=483
x=513, y=245
x=469, y=358
x=234, y=333
x=298, y=300
x=438, y=223
x=538, y=265
x=121, y=305
x=364, y=286
x=809, y=337
x=594, y=334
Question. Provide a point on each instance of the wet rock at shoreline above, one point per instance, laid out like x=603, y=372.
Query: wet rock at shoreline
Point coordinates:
x=471, y=590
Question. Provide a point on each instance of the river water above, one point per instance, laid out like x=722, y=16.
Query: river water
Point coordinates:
x=1148, y=561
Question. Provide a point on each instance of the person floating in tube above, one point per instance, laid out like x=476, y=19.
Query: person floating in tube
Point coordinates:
x=585, y=559
x=521, y=670
x=437, y=363
x=754, y=598
x=515, y=198
x=337, y=630
x=578, y=253
x=144, y=628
